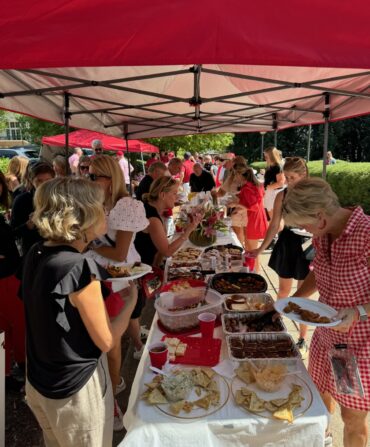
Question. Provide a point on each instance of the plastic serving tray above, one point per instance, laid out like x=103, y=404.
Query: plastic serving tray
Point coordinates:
x=199, y=351
x=260, y=298
x=259, y=338
x=236, y=279
x=248, y=316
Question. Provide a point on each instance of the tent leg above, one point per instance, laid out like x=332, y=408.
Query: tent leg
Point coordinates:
x=142, y=159
x=67, y=117
x=309, y=142
x=326, y=134
x=128, y=157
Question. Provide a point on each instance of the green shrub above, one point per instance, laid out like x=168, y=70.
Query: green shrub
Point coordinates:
x=350, y=181
x=4, y=162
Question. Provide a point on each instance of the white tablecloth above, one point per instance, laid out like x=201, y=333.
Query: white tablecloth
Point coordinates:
x=231, y=426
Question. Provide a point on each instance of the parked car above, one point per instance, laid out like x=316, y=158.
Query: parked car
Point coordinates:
x=30, y=152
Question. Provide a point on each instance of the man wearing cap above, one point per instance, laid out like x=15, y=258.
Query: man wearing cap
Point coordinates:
x=124, y=166
x=97, y=147
x=187, y=170
x=156, y=170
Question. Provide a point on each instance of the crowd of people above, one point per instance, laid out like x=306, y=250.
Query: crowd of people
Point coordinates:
x=60, y=231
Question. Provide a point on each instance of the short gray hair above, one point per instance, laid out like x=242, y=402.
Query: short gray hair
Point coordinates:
x=96, y=143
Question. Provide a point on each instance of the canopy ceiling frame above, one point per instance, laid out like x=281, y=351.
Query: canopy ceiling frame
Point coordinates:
x=137, y=112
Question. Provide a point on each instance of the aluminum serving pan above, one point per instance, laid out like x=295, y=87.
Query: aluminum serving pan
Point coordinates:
x=278, y=346
x=254, y=302
x=239, y=323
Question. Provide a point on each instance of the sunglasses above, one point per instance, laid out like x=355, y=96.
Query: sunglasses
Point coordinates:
x=84, y=168
x=94, y=177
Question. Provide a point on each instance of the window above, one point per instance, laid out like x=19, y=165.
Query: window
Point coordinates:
x=13, y=132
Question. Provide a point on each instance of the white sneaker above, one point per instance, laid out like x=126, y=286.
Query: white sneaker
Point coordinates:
x=118, y=417
x=144, y=332
x=120, y=387
x=138, y=353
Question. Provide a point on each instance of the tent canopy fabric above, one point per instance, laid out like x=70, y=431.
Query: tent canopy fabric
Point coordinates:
x=84, y=138
x=160, y=68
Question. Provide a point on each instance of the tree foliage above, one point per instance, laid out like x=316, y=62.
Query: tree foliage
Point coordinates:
x=3, y=120
x=348, y=140
x=34, y=129
x=210, y=143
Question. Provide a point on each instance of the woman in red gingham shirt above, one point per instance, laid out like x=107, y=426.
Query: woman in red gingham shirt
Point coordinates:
x=341, y=274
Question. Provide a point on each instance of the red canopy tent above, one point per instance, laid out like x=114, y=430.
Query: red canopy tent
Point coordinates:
x=84, y=138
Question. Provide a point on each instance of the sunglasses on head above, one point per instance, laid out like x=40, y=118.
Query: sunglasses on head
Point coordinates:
x=84, y=168
x=94, y=177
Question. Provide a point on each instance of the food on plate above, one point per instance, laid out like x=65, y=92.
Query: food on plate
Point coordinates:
x=242, y=303
x=118, y=272
x=242, y=348
x=183, y=270
x=242, y=323
x=305, y=314
x=220, y=251
x=239, y=283
x=268, y=377
x=281, y=409
x=181, y=285
x=123, y=271
x=187, y=254
x=175, y=348
x=177, y=386
x=175, y=390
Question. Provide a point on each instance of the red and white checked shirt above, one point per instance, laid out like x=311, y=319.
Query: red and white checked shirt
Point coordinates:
x=342, y=277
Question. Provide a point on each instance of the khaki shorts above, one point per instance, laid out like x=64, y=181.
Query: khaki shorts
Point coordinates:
x=82, y=420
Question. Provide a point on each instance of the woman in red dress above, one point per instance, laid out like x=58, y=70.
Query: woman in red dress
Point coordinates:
x=251, y=198
x=341, y=274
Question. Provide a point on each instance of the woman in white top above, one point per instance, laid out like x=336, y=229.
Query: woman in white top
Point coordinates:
x=125, y=217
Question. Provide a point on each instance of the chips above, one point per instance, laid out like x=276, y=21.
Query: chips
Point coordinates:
x=281, y=409
x=205, y=388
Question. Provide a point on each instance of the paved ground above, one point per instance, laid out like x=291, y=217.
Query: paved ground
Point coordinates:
x=23, y=431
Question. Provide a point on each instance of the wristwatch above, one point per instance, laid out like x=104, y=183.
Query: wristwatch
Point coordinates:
x=362, y=314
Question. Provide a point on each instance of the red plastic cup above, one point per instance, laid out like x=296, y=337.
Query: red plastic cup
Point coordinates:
x=158, y=354
x=249, y=262
x=207, y=324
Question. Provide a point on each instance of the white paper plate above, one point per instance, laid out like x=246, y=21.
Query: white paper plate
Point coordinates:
x=314, y=306
x=137, y=272
x=301, y=232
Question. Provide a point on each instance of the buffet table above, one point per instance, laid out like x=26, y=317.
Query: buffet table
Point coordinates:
x=230, y=426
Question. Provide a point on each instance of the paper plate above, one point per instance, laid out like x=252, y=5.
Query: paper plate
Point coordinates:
x=314, y=306
x=137, y=272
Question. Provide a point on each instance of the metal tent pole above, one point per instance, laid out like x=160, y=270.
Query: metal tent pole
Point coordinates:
x=309, y=142
x=262, y=143
x=275, y=127
x=142, y=159
x=326, y=115
x=125, y=131
x=67, y=117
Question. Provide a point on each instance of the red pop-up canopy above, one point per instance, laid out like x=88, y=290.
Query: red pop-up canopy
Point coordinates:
x=84, y=138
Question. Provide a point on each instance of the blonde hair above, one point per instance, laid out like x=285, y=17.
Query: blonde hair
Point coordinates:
x=17, y=167
x=274, y=156
x=297, y=165
x=65, y=207
x=306, y=199
x=107, y=166
x=162, y=184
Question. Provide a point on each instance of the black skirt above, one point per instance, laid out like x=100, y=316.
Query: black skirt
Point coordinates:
x=287, y=258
